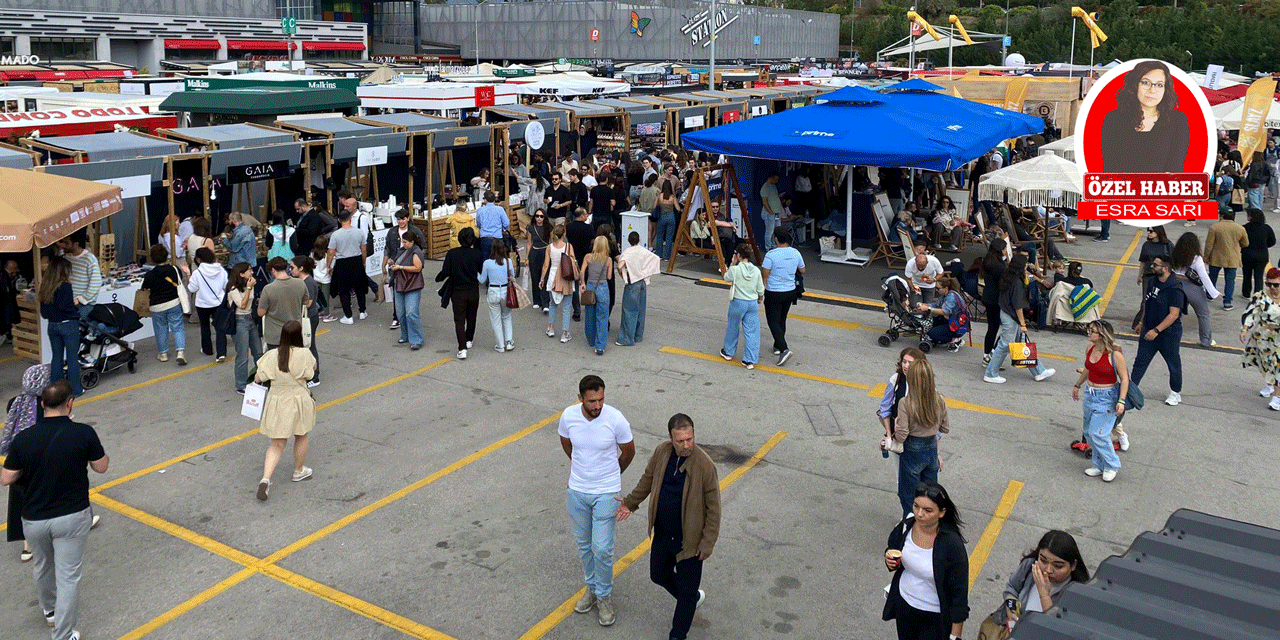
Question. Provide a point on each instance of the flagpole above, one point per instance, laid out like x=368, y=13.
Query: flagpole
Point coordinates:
x=1072, y=62
x=712, y=79
x=951, y=41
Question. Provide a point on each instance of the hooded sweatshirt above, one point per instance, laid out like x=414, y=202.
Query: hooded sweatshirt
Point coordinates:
x=209, y=283
x=747, y=283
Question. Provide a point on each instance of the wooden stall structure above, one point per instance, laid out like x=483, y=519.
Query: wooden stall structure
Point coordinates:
x=465, y=149
x=696, y=197
x=729, y=107
x=647, y=122
x=538, y=135
x=763, y=101
x=12, y=157
x=610, y=125
x=115, y=156
x=416, y=126
x=328, y=131
x=688, y=119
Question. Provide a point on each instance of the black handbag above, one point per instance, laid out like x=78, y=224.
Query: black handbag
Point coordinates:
x=224, y=317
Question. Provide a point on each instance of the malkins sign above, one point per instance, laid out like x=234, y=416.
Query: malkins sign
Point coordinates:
x=277, y=80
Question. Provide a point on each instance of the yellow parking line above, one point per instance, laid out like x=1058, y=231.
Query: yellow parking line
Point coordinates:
x=141, y=385
x=983, y=549
x=354, y=604
x=877, y=391
x=204, y=542
x=561, y=612
x=810, y=294
x=9, y=359
x=1119, y=272
x=1054, y=356
x=192, y=603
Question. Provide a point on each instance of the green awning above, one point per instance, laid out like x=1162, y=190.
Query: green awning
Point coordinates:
x=257, y=101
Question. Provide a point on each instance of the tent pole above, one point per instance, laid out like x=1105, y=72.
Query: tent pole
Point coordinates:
x=1072, y=62
x=848, y=214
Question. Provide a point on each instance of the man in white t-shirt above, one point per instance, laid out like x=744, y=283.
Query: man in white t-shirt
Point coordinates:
x=597, y=439
x=923, y=271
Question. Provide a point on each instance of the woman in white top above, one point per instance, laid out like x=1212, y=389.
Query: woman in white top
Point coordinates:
x=323, y=277
x=209, y=283
x=929, y=596
x=171, y=241
x=247, y=339
x=1188, y=266
x=559, y=288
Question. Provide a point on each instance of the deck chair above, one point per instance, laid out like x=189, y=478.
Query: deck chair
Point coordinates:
x=885, y=248
x=961, y=199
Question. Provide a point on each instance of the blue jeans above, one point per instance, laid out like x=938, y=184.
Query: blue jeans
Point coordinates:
x=596, y=319
x=770, y=223
x=486, y=244
x=1229, y=287
x=918, y=461
x=407, y=304
x=744, y=313
x=565, y=308
x=1166, y=344
x=165, y=323
x=1255, y=196
x=635, y=297
x=1008, y=334
x=248, y=343
x=666, y=234
x=1105, y=234
x=593, y=522
x=1099, y=420
x=64, y=342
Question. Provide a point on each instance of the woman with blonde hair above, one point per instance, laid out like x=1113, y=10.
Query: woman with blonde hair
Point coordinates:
x=922, y=415
x=289, y=409
x=597, y=271
x=559, y=285
x=1105, y=380
x=171, y=240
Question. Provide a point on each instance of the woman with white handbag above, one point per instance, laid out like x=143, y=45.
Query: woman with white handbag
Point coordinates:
x=289, y=409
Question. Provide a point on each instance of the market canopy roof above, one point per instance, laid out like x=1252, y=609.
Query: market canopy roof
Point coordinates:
x=233, y=136
x=1047, y=179
x=336, y=127
x=950, y=38
x=624, y=105
x=1229, y=114
x=412, y=121
x=914, y=84
x=582, y=108
x=15, y=159
x=260, y=101
x=113, y=146
x=40, y=208
x=858, y=126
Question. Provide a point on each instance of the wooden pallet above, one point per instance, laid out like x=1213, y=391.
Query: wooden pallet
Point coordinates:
x=26, y=333
x=436, y=231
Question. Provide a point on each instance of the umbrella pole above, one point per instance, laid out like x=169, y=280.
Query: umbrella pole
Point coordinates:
x=848, y=214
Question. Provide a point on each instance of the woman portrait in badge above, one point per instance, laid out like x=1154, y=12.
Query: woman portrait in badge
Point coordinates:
x=1146, y=133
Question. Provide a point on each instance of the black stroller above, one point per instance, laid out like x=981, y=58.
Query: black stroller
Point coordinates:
x=101, y=348
x=899, y=302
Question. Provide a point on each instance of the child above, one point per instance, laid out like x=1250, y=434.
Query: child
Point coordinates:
x=323, y=277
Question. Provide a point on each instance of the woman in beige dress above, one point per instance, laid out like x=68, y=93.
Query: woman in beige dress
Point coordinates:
x=289, y=409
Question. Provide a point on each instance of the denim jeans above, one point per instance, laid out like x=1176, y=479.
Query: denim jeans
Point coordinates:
x=770, y=223
x=745, y=314
x=407, y=306
x=1255, y=196
x=593, y=522
x=486, y=245
x=596, y=319
x=665, y=234
x=1228, y=287
x=248, y=343
x=64, y=342
x=1166, y=344
x=499, y=316
x=1105, y=234
x=918, y=461
x=1099, y=420
x=169, y=322
x=635, y=298
x=1008, y=334
x=565, y=308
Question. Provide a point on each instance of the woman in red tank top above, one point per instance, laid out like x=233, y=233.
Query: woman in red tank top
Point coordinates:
x=1104, y=380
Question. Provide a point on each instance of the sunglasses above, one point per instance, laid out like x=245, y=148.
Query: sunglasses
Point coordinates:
x=1273, y=284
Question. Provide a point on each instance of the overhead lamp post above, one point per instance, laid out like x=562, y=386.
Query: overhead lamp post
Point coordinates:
x=1192, y=63
x=711, y=80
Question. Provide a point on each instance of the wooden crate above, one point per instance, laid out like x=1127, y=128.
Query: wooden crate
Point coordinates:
x=26, y=333
x=436, y=231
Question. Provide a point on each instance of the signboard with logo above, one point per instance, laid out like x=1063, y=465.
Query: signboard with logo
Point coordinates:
x=702, y=27
x=760, y=110
x=131, y=186
x=730, y=116
x=535, y=135
x=484, y=96
x=303, y=82
x=371, y=156
x=257, y=172
x=693, y=122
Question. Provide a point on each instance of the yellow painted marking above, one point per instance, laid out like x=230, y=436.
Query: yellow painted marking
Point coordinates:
x=140, y=385
x=1055, y=356
x=1119, y=271
x=764, y=367
x=195, y=601
x=1104, y=263
x=354, y=604
x=236, y=438
x=839, y=324
x=809, y=294
x=322, y=332
x=204, y=542
x=978, y=408
x=561, y=612
x=983, y=549
x=877, y=391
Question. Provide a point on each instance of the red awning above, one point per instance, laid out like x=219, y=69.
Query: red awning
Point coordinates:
x=333, y=46
x=187, y=43
x=258, y=45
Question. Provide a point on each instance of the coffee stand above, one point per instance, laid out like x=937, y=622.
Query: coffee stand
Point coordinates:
x=340, y=141
x=464, y=150
x=417, y=128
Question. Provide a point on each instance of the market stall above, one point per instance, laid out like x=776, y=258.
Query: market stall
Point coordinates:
x=762, y=101
x=270, y=79
x=12, y=157
x=351, y=147
x=610, y=125
x=647, y=123
x=39, y=209
x=447, y=99
x=456, y=156
x=685, y=120
x=262, y=105
x=417, y=127
x=569, y=85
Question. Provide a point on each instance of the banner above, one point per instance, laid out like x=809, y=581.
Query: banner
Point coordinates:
x=258, y=172
x=1015, y=93
x=1257, y=104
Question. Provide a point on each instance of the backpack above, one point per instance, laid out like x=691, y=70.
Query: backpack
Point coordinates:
x=958, y=323
x=328, y=224
x=1225, y=184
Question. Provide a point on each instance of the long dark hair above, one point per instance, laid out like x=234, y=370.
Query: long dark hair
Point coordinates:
x=1016, y=271
x=940, y=497
x=498, y=253
x=994, y=260
x=1185, y=252
x=1128, y=109
x=1162, y=237
x=1061, y=544
x=290, y=338
x=237, y=279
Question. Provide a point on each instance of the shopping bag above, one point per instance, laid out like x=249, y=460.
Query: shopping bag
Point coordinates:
x=142, y=303
x=255, y=396
x=1023, y=354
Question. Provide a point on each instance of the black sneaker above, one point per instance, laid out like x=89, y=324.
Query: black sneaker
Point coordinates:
x=577, y=317
x=725, y=355
x=1228, y=307
x=954, y=347
x=783, y=357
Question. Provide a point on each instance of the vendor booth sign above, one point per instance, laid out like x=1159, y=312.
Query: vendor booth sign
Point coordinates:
x=371, y=156
x=257, y=172
x=1145, y=143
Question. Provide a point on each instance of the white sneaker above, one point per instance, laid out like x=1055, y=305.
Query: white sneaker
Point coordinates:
x=1174, y=399
x=702, y=595
x=462, y=354
x=993, y=379
x=511, y=346
x=1264, y=392
x=1093, y=472
x=1108, y=475
x=1045, y=375
x=363, y=315
x=565, y=338
x=347, y=321
x=1274, y=405
x=469, y=344
x=1124, y=442
x=311, y=384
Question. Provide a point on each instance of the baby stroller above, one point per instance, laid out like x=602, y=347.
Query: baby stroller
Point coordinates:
x=899, y=302
x=101, y=348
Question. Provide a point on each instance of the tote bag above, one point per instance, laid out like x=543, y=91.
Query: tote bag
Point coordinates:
x=255, y=396
x=1023, y=353
x=184, y=296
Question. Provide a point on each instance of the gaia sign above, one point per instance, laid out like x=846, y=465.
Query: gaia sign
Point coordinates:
x=257, y=172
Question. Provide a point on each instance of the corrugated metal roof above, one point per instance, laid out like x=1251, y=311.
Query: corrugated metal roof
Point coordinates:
x=1202, y=577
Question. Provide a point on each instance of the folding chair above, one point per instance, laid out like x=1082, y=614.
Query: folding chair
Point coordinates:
x=885, y=248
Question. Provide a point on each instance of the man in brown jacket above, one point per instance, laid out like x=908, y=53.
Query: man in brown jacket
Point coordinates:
x=1222, y=252
x=684, y=517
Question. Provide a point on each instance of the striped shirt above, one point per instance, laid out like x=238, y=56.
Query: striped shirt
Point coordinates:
x=86, y=277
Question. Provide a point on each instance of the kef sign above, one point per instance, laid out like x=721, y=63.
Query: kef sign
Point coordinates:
x=1145, y=143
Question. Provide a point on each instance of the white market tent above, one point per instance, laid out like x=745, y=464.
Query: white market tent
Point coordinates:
x=1065, y=147
x=950, y=38
x=569, y=84
x=438, y=97
x=1046, y=179
x=1229, y=114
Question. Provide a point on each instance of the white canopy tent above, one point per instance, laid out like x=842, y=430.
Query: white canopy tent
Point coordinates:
x=569, y=84
x=1046, y=179
x=950, y=38
x=1229, y=114
x=436, y=97
x=1066, y=147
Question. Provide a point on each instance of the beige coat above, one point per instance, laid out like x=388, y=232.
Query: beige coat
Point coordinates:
x=289, y=410
x=1223, y=244
x=699, y=502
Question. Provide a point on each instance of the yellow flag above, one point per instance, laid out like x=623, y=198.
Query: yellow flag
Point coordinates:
x=924, y=24
x=1093, y=37
x=1015, y=93
x=955, y=22
x=1257, y=103
x=1088, y=20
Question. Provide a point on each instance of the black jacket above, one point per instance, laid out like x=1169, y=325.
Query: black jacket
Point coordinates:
x=1261, y=239
x=950, y=572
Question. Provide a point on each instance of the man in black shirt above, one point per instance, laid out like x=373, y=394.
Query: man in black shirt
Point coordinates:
x=602, y=201
x=580, y=236
x=561, y=202
x=577, y=190
x=1161, y=327
x=49, y=458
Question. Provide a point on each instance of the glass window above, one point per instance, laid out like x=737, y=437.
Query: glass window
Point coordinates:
x=6, y=47
x=392, y=23
x=300, y=9
x=65, y=48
